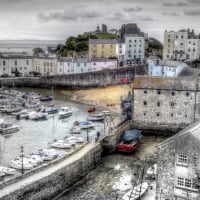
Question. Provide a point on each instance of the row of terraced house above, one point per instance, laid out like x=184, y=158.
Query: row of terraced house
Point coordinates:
x=24, y=65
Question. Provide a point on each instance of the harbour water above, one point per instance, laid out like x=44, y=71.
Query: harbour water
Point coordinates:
x=35, y=135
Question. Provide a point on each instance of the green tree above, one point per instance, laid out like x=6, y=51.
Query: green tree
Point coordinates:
x=37, y=51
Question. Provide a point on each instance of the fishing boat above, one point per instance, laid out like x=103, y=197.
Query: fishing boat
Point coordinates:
x=129, y=141
x=74, y=139
x=65, y=112
x=46, y=98
x=137, y=192
x=96, y=117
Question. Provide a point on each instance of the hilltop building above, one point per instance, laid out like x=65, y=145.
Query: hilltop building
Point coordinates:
x=102, y=48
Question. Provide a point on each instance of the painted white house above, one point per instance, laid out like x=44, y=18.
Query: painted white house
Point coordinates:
x=134, y=48
x=65, y=66
x=192, y=48
x=10, y=64
x=102, y=64
x=82, y=65
x=45, y=65
x=165, y=68
x=120, y=51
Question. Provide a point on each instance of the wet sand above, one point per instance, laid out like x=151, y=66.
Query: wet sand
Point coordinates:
x=108, y=97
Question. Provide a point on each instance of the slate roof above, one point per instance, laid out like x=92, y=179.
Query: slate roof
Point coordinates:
x=102, y=41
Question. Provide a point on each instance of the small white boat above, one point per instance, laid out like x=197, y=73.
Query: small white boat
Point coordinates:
x=75, y=129
x=7, y=171
x=65, y=112
x=49, y=109
x=136, y=192
x=32, y=105
x=6, y=128
x=37, y=115
x=96, y=117
x=86, y=125
x=48, y=154
x=61, y=144
x=18, y=164
x=74, y=139
x=22, y=115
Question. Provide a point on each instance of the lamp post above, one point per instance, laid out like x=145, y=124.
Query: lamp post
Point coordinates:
x=87, y=131
x=22, y=157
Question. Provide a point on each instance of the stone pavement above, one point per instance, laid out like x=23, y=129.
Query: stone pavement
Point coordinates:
x=150, y=194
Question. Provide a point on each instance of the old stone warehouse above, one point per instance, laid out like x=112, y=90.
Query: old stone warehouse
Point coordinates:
x=170, y=105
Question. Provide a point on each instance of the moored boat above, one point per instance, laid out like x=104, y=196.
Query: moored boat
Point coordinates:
x=91, y=109
x=7, y=171
x=6, y=128
x=75, y=129
x=129, y=141
x=46, y=98
x=65, y=112
x=96, y=117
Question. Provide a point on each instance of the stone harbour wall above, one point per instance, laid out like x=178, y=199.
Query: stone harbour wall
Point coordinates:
x=52, y=185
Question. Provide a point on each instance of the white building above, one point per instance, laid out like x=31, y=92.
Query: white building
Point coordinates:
x=45, y=65
x=165, y=68
x=181, y=45
x=102, y=64
x=134, y=48
x=11, y=65
x=82, y=66
x=192, y=49
x=120, y=51
x=65, y=66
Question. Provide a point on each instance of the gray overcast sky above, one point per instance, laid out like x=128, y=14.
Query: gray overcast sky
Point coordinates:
x=58, y=19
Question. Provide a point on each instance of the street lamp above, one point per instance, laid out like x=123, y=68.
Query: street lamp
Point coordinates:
x=22, y=157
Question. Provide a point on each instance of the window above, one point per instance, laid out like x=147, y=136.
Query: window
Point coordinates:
x=172, y=104
x=158, y=104
x=145, y=103
x=185, y=116
x=102, y=45
x=78, y=64
x=158, y=114
x=27, y=62
x=185, y=182
x=85, y=64
x=172, y=115
x=4, y=62
x=173, y=93
x=145, y=114
x=187, y=94
x=145, y=92
x=94, y=63
x=129, y=45
x=129, y=40
x=15, y=62
x=159, y=92
x=182, y=159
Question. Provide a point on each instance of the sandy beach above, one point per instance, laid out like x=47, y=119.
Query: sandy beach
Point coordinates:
x=108, y=97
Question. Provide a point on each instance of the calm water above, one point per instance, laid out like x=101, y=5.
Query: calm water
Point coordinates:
x=35, y=135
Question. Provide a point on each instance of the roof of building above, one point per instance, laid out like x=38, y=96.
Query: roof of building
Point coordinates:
x=193, y=129
x=172, y=63
x=189, y=72
x=166, y=83
x=102, y=41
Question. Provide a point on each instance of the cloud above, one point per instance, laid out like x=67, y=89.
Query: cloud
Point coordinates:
x=147, y=19
x=193, y=1
x=171, y=13
x=178, y=4
x=117, y=16
x=133, y=9
x=192, y=12
x=68, y=16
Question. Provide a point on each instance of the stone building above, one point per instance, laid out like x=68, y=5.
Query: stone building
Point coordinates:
x=164, y=103
x=178, y=171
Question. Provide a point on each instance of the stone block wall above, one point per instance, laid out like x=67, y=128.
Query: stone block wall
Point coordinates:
x=52, y=185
